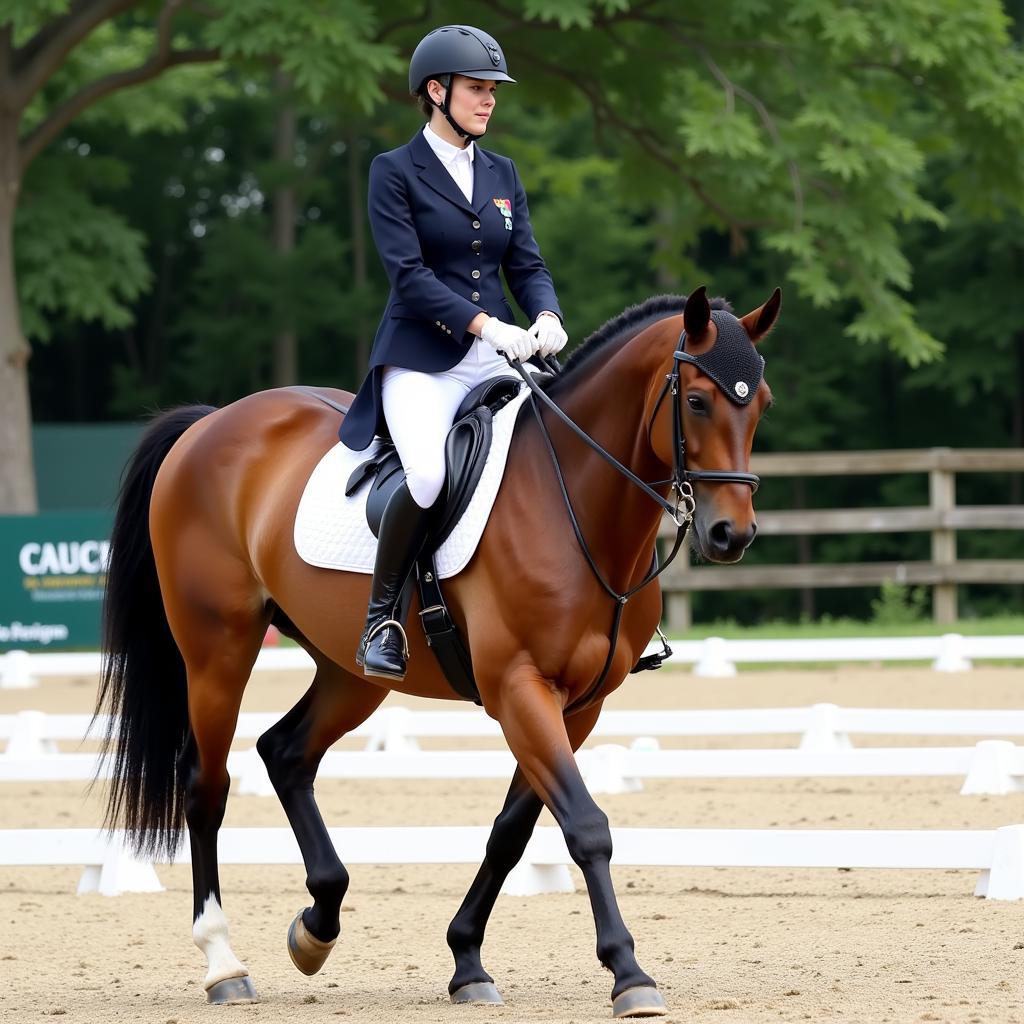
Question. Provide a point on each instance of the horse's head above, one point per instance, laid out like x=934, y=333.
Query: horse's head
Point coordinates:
x=722, y=396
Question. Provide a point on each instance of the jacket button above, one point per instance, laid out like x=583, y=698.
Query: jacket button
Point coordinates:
x=477, y=244
x=476, y=225
x=475, y=297
x=475, y=274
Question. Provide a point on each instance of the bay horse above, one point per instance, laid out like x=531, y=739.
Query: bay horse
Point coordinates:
x=203, y=561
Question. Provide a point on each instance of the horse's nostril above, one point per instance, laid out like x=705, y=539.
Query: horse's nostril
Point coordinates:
x=721, y=534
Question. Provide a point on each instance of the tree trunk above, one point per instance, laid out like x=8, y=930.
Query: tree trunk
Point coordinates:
x=357, y=218
x=17, y=475
x=286, y=342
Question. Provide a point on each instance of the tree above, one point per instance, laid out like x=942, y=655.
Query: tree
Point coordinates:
x=812, y=131
x=59, y=58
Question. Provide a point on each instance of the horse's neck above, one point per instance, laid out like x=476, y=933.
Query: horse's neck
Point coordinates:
x=618, y=520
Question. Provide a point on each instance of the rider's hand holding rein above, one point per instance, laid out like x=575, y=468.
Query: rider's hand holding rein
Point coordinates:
x=510, y=339
x=550, y=335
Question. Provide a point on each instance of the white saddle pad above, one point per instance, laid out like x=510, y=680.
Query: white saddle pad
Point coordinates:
x=331, y=530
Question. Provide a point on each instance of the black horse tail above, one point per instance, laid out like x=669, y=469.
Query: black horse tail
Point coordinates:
x=142, y=681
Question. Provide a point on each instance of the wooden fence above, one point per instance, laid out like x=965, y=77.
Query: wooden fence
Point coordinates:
x=941, y=517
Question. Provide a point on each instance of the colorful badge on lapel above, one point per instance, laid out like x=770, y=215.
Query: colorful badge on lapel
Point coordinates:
x=505, y=209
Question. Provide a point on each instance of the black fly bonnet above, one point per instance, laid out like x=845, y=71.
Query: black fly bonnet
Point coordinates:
x=732, y=362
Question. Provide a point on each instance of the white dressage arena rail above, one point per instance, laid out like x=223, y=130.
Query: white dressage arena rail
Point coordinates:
x=997, y=853
x=713, y=656
x=992, y=767
x=819, y=726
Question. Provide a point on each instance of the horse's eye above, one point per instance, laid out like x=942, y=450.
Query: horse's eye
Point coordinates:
x=696, y=404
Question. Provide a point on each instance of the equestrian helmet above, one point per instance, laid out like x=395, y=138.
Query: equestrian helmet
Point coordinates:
x=457, y=50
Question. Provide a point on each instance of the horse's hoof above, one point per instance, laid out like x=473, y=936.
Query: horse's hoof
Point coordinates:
x=308, y=953
x=478, y=992
x=233, y=990
x=643, y=1001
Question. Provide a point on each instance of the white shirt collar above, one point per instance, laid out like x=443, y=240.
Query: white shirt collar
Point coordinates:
x=445, y=151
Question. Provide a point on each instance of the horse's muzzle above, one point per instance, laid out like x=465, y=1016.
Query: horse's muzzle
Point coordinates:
x=724, y=541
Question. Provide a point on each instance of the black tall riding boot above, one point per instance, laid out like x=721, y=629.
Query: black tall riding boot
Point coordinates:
x=383, y=650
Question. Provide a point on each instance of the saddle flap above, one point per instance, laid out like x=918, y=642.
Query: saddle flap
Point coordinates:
x=465, y=453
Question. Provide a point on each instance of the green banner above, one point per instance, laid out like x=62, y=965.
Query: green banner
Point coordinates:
x=52, y=575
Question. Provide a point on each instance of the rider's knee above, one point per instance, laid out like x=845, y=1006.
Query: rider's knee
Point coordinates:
x=425, y=481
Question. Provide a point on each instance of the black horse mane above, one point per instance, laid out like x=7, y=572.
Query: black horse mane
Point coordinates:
x=628, y=324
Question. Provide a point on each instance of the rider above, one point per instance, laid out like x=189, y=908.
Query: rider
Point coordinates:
x=446, y=217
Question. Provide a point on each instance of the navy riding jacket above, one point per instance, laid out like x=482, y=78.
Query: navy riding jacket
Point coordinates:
x=442, y=254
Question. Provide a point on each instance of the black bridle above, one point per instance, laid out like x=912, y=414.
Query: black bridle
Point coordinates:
x=680, y=509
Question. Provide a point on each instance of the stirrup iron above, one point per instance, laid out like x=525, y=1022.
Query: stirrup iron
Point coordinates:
x=384, y=625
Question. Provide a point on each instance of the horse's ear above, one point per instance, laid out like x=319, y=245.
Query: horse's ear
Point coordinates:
x=697, y=314
x=759, y=322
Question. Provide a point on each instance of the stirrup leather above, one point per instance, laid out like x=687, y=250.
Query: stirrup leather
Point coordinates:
x=384, y=625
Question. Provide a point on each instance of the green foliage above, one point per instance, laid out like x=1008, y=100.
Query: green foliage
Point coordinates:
x=27, y=15
x=243, y=293
x=323, y=46
x=76, y=259
x=157, y=105
x=573, y=13
x=898, y=604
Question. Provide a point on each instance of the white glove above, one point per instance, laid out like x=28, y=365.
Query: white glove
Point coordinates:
x=551, y=338
x=508, y=338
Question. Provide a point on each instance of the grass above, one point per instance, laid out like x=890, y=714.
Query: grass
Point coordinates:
x=1005, y=625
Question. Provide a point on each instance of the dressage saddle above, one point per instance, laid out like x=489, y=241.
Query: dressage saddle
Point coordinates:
x=466, y=448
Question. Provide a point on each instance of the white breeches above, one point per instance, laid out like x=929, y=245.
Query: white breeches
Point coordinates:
x=420, y=409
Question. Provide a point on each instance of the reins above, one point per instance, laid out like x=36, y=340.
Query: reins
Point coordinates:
x=680, y=511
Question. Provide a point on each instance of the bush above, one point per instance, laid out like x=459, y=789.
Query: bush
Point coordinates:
x=898, y=604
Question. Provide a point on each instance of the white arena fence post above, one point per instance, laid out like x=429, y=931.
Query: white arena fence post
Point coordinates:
x=714, y=661
x=823, y=731
x=16, y=671
x=951, y=656
x=995, y=769
x=543, y=868
x=29, y=739
x=120, y=871
x=248, y=767
x=1004, y=880
x=604, y=770
x=392, y=729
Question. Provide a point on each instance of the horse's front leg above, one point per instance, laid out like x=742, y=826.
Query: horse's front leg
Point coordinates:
x=530, y=714
x=292, y=749
x=505, y=847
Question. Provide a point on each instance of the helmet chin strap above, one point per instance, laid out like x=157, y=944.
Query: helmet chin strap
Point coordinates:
x=456, y=127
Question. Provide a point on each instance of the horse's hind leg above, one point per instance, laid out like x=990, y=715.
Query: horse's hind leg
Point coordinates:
x=219, y=648
x=505, y=847
x=292, y=750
